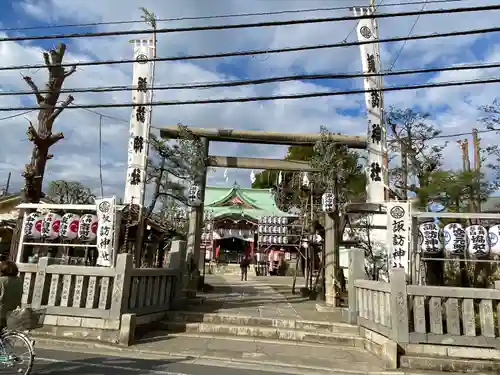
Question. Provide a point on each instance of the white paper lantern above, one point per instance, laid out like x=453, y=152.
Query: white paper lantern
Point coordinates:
x=284, y=221
x=87, y=229
x=429, y=238
x=51, y=225
x=208, y=254
x=477, y=238
x=493, y=238
x=194, y=195
x=33, y=225
x=328, y=202
x=455, y=241
x=69, y=226
x=285, y=240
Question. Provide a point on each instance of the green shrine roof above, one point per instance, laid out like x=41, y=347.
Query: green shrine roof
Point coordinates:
x=237, y=201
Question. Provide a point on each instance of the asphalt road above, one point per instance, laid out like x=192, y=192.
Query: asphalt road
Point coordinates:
x=63, y=362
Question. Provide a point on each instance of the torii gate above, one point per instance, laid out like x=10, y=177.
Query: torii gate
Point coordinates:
x=269, y=138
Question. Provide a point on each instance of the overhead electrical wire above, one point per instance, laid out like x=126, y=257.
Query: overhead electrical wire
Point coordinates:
x=262, y=52
x=251, y=25
x=261, y=81
x=404, y=43
x=196, y=18
x=16, y=115
x=357, y=23
x=268, y=98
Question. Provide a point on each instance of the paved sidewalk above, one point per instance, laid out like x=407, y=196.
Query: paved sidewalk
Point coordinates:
x=269, y=297
x=285, y=357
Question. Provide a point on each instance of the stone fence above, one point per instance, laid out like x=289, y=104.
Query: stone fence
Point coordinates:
x=397, y=318
x=102, y=303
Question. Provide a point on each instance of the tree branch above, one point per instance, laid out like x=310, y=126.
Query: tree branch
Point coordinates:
x=54, y=138
x=65, y=104
x=34, y=87
x=46, y=59
x=32, y=134
x=70, y=71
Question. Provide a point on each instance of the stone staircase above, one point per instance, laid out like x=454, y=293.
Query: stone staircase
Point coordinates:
x=223, y=324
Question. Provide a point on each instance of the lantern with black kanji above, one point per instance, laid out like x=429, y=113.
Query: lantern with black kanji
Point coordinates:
x=194, y=195
x=328, y=202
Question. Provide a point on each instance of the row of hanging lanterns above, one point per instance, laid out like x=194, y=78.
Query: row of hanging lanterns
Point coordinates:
x=271, y=240
x=273, y=230
x=455, y=240
x=66, y=227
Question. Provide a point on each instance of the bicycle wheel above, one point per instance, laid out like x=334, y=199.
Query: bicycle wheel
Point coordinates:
x=16, y=353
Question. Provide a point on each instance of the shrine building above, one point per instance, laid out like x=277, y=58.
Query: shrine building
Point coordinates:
x=231, y=222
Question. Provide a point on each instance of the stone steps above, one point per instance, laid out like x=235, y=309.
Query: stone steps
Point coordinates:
x=449, y=365
x=241, y=320
x=262, y=328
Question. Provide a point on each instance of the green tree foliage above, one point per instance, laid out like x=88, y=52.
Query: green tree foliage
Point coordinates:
x=456, y=189
x=172, y=163
x=69, y=192
x=331, y=161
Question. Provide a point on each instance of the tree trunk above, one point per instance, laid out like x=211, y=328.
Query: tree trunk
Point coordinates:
x=42, y=137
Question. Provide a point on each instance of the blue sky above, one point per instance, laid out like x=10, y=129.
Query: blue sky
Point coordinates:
x=76, y=158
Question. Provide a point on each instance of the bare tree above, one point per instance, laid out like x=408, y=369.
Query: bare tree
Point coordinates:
x=414, y=137
x=69, y=192
x=359, y=229
x=42, y=136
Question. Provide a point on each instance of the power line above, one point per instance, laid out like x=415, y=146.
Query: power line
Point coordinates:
x=272, y=97
x=357, y=23
x=454, y=134
x=263, y=52
x=404, y=43
x=260, y=81
x=250, y=25
x=16, y=115
x=235, y=15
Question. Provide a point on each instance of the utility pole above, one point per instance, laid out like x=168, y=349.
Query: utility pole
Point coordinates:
x=464, y=146
x=477, y=169
x=7, y=185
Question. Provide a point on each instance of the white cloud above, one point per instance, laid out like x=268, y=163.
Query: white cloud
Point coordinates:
x=77, y=156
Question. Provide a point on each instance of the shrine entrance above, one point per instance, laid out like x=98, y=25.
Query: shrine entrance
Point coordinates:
x=274, y=222
x=232, y=250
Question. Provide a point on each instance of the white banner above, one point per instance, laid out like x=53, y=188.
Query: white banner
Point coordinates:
x=139, y=122
x=106, y=216
x=398, y=234
x=374, y=99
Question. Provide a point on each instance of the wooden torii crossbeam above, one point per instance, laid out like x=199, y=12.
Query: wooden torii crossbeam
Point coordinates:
x=262, y=137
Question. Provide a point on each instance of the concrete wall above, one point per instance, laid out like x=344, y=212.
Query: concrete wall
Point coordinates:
x=102, y=303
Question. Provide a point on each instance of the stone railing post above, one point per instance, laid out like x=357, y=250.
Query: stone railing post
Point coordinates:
x=356, y=272
x=177, y=260
x=121, y=286
x=399, y=306
x=40, y=285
